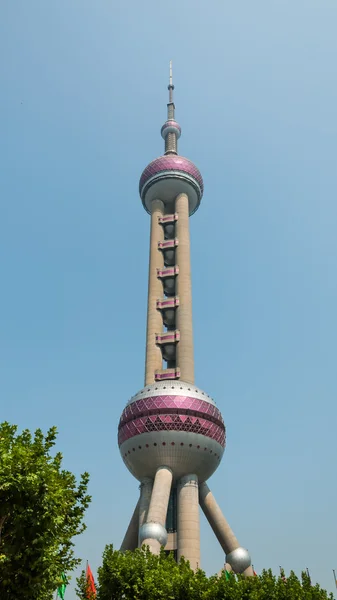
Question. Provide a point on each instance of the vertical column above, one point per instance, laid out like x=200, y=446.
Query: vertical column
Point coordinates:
x=130, y=541
x=154, y=319
x=236, y=556
x=171, y=143
x=144, y=501
x=153, y=532
x=185, y=360
x=188, y=525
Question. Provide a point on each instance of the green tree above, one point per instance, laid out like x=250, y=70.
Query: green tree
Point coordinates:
x=41, y=509
x=82, y=590
x=140, y=575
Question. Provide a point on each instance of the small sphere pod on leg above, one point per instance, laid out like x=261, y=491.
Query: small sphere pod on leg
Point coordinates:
x=188, y=523
x=239, y=560
x=153, y=532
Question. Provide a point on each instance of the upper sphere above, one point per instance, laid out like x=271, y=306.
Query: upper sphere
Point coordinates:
x=171, y=126
x=166, y=177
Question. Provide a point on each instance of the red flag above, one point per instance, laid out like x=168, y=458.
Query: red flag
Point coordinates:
x=91, y=588
x=255, y=573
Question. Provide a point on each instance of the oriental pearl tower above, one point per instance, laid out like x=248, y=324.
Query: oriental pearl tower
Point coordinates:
x=171, y=434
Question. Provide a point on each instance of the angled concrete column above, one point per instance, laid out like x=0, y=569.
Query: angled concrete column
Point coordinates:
x=188, y=523
x=217, y=520
x=130, y=541
x=144, y=500
x=220, y=526
x=185, y=359
x=153, y=532
x=153, y=359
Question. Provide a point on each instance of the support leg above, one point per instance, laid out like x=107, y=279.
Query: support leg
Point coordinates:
x=130, y=541
x=237, y=557
x=144, y=501
x=188, y=524
x=153, y=532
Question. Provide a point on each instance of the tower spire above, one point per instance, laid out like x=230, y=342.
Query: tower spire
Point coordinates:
x=171, y=130
x=170, y=87
x=170, y=106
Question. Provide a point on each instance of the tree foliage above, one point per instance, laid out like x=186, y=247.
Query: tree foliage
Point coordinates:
x=140, y=575
x=83, y=589
x=41, y=509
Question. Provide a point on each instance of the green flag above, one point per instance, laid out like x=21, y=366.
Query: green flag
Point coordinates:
x=230, y=576
x=61, y=590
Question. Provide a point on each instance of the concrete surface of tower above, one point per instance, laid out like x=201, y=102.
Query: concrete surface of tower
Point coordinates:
x=171, y=435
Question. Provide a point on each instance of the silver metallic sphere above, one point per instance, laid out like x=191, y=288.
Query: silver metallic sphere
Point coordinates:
x=239, y=559
x=153, y=531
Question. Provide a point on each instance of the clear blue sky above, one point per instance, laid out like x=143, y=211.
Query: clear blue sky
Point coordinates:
x=83, y=97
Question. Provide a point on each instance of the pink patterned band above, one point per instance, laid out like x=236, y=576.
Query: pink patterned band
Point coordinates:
x=171, y=413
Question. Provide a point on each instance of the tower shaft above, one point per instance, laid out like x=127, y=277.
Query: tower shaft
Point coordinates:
x=185, y=360
x=153, y=360
x=175, y=252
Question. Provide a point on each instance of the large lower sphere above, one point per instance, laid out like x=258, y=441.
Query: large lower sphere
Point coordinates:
x=173, y=424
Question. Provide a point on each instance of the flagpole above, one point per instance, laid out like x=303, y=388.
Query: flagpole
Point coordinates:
x=334, y=576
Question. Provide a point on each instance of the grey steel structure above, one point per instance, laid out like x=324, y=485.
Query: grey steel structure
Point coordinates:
x=171, y=434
